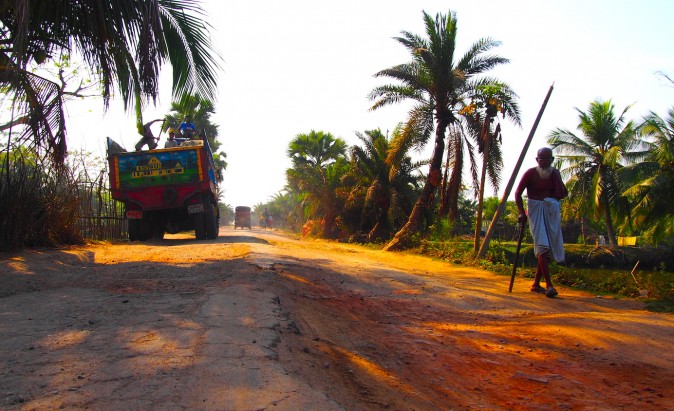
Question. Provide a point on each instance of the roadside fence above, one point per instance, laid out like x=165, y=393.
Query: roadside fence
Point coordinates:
x=101, y=217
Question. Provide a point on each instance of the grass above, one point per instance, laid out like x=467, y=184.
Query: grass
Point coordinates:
x=597, y=270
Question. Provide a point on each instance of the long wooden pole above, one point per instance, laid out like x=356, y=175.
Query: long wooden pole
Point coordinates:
x=511, y=182
x=520, y=237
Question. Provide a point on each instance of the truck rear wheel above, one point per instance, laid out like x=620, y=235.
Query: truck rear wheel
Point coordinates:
x=210, y=223
x=158, y=233
x=199, y=229
x=133, y=229
x=144, y=229
x=139, y=230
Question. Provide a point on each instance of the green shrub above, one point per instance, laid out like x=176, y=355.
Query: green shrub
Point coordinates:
x=600, y=270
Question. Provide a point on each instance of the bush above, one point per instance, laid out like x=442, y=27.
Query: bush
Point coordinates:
x=599, y=270
x=38, y=206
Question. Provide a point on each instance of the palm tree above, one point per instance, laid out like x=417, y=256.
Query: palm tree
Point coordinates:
x=492, y=99
x=654, y=179
x=577, y=207
x=459, y=146
x=319, y=163
x=437, y=84
x=63, y=73
x=383, y=187
x=473, y=132
x=595, y=157
x=125, y=42
x=286, y=207
x=200, y=110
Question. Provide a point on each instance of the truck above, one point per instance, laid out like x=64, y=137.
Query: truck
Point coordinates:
x=242, y=217
x=167, y=190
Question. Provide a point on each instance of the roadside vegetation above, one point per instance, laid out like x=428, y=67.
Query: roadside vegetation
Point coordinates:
x=635, y=272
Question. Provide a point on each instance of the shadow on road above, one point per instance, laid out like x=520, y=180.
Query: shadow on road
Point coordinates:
x=241, y=239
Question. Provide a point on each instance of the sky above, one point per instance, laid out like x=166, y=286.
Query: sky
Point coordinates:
x=289, y=67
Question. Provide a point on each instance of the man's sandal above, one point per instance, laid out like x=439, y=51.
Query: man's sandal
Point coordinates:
x=551, y=292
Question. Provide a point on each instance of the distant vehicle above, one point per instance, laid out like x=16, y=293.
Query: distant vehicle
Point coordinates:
x=265, y=221
x=242, y=217
x=166, y=190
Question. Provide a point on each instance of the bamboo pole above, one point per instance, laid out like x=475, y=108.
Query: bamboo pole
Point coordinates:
x=511, y=182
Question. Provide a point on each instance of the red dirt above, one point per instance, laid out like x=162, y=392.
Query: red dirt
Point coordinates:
x=371, y=329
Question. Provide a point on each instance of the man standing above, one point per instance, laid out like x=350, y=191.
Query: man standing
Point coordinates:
x=148, y=138
x=545, y=188
x=171, y=142
x=187, y=128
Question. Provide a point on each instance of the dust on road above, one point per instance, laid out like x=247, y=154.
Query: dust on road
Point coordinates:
x=261, y=320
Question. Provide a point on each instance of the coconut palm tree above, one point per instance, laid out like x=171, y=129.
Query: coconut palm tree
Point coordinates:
x=576, y=207
x=383, y=187
x=653, y=179
x=594, y=158
x=319, y=162
x=437, y=83
x=124, y=42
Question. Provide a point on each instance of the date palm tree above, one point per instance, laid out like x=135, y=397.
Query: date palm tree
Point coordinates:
x=437, y=83
x=459, y=146
x=653, y=179
x=286, y=207
x=124, y=42
x=319, y=162
x=594, y=158
x=488, y=102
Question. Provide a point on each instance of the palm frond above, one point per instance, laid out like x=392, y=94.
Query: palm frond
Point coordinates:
x=391, y=94
x=42, y=101
x=125, y=42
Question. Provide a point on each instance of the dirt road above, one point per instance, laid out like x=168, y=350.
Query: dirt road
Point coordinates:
x=262, y=321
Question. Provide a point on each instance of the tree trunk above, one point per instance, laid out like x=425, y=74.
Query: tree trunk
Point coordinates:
x=329, y=224
x=329, y=202
x=444, y=190
x=603, y=198
x=486, y=137
x=99, y=210
x=382, y=227
x=454, y=188
x=583, y=229
x=609, y=222
x=401, y=239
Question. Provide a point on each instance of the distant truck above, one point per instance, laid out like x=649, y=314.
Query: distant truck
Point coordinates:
x=166, y=190
x=242, y=217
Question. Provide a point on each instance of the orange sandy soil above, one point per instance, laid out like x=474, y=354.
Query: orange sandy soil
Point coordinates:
x=372, y=329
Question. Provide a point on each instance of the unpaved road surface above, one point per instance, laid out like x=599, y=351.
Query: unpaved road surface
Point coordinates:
x=263, y=321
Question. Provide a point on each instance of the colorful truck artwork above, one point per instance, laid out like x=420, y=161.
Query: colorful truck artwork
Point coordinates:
x=166, y=190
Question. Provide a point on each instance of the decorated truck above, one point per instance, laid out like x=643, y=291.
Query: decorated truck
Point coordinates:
x=166, y=190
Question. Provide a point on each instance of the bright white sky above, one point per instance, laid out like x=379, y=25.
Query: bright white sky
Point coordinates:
x=299, y=65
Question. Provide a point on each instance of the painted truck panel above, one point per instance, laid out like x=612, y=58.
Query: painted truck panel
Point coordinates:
x=172, y=189
x=157, y=168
